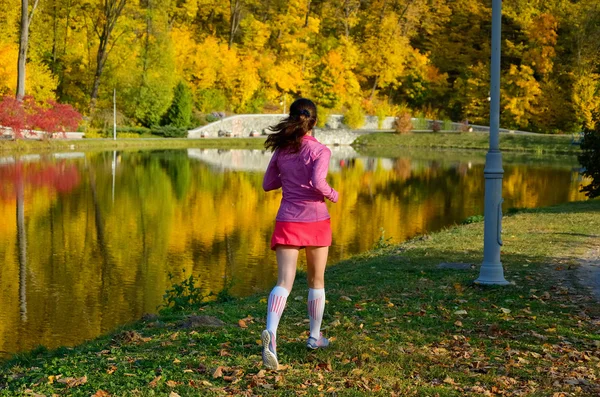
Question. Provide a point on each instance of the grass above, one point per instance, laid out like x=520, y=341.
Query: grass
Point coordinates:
x=539, y=144
x=399, y=326
x=62, y=145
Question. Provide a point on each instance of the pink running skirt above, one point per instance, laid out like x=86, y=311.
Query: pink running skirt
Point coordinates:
x=302, y=234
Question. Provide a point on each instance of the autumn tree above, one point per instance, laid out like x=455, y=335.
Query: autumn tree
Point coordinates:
x=104, y=18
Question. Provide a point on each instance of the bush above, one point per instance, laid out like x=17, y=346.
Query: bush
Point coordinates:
x=126, y=130
x=421, y=123
x=354, y=117
x=323, y=114
x=403, y=123
x=590, y=161
x=51, y=117
x=382, y=110
x=447, y=125
x=211, y=118
x=180, y=112
x=169, y=131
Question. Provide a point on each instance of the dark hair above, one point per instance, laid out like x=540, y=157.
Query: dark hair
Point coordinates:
x=288, y=133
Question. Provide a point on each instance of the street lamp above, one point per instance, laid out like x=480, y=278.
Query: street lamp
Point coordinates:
x=491, y=271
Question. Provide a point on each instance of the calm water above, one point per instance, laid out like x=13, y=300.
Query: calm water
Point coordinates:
x=88, y=240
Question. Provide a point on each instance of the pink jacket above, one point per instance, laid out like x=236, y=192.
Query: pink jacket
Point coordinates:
x=302, y=177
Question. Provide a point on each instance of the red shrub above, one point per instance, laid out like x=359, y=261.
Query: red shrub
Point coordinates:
x=12, y=115
x=27, y=115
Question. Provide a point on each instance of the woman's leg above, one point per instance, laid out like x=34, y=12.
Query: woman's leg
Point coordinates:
x=316, y=258
x=287, y=258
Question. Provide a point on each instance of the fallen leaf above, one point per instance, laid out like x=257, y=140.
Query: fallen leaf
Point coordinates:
x=345, y=298
x=218, y=373
x=242, y=324
x=173, y=394
x=449, y=380
x=154, y=381
x=171, y=383
x=176, y=361
x=458, y=324
x=73, y=382
x=111, y=370
x=101, y=393
x=505, y=310
x=460, y=312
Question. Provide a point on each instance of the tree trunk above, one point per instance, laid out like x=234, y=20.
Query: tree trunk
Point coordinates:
x=111, y=11
x=374, y=87
x=235, y=7
x=22, y=241
x=23, y=44
x=307, y=13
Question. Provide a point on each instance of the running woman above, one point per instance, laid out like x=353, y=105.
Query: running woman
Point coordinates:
x=299, y=166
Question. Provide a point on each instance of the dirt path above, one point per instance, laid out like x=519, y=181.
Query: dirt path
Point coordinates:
x=588, y=274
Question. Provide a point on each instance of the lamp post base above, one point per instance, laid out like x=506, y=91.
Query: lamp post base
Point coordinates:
x=491, y=274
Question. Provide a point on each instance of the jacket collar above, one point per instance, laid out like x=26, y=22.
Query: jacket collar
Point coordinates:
x=310, y=138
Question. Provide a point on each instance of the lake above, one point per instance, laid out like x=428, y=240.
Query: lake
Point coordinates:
x=89, y=241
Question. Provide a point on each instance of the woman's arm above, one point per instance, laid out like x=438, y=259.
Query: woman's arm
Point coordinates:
x=320, y=168
x=272, y=180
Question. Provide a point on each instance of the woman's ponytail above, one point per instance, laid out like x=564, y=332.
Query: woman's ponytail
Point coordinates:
x=288, y=133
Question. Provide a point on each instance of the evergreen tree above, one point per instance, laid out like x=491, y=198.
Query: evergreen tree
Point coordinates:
x=180, y=112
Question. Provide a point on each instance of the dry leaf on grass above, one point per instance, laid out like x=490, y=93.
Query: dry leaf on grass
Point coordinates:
x=73, y=382
x=155, y=381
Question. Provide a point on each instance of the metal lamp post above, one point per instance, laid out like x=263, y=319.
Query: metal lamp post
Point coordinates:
x=491, y=271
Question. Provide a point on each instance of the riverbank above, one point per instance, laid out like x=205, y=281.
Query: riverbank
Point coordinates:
x=384, y=143
x=399, y=325
x=64, y=145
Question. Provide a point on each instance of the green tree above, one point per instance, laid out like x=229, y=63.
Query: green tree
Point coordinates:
x=180, y=112
x=590, y=161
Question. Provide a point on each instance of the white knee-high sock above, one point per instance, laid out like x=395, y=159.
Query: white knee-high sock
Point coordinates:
x=275, y=306
x=316, y=306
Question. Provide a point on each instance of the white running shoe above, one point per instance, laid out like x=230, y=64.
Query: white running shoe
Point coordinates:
x=320, y=343
x=269, y=353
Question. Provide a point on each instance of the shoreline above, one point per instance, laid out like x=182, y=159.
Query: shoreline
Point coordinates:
x=378, y=142
x=67, y=145
x=406, y=319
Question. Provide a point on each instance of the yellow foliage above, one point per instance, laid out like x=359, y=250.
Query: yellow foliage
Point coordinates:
x=586, y=98
x=256, y=33
x=8, y=68
x=520, y=94
x=39, y=80
x=385, y=51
